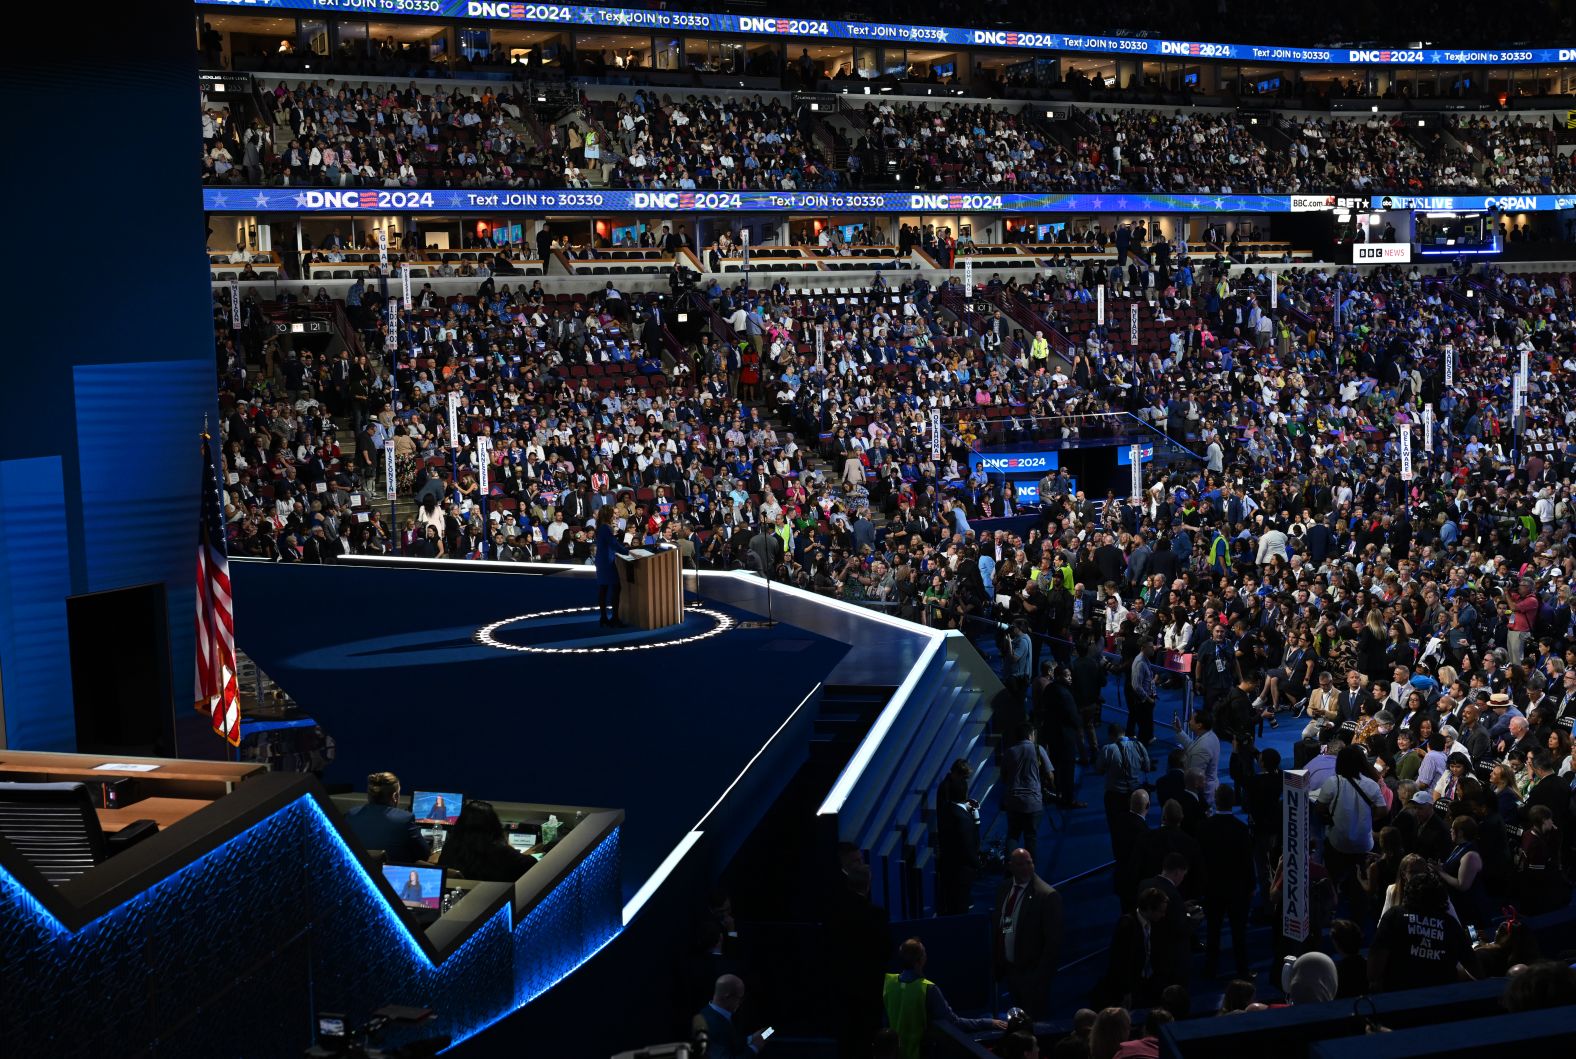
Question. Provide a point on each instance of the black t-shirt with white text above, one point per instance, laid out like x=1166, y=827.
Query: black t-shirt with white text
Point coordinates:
x=1423, y=950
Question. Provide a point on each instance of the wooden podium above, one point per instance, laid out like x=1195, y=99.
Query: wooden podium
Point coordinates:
x=653, y=589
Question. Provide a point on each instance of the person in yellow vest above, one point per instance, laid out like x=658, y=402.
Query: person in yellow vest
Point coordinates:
x=913, y=1003
x=1039, y=350
x=1219, y=556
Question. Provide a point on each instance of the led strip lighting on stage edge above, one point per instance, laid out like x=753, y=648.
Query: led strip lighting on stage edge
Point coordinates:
x=486, y=635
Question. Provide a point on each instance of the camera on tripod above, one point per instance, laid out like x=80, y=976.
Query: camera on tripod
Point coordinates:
x=336, y=1038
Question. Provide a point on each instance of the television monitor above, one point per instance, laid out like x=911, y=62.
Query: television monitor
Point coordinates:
x=417, y=886
x=436, y=807
x=507, y=233
x=628, y=235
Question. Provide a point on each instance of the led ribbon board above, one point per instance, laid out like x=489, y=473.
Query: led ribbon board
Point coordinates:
x=628, y=19
x=450, y=200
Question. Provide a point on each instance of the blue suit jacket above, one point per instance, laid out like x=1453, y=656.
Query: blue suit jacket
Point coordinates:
x=392, y=830
x=607, y=546
x=724, y=1038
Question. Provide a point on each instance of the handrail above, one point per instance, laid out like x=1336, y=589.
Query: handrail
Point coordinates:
x=1139, y=425
x=719, y=326
x=1036, y=320
x=854, y=771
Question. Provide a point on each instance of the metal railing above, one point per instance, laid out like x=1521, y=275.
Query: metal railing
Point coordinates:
x=1089, y=430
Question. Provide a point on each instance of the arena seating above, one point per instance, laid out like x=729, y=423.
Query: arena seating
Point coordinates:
x=436, y=135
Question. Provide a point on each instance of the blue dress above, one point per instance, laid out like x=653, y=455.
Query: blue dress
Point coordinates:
x=607, y=546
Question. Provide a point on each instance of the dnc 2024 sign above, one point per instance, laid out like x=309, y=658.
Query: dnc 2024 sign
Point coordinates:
x=571, y=200
x=1012, y=463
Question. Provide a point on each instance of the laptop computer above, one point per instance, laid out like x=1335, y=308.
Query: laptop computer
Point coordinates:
x=417, y=885
x=436, y=807
x=522, y=840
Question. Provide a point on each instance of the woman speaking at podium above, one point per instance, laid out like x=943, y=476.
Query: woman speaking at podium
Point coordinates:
x=607, y=547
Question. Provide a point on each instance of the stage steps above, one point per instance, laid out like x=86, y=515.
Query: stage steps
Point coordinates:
x=889, y=808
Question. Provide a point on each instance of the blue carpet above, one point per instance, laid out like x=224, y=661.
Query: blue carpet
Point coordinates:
x=1073, y=842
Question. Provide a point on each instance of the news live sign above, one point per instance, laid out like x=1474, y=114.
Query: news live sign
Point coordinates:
x=1381, y=253
x=1013, y=462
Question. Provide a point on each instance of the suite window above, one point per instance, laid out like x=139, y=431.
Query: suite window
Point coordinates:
x=313, y=36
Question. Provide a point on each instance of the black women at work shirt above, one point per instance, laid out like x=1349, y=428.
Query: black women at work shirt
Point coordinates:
x=1423, y=950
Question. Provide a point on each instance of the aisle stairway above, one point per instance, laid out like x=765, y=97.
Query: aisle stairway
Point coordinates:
x=939, y=715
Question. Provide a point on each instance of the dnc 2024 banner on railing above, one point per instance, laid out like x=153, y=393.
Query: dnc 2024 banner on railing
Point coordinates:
x=451, y=200
x=570, y=200
x=626, y=18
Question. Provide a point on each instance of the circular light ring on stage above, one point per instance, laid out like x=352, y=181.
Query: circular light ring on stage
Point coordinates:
x=721, y=623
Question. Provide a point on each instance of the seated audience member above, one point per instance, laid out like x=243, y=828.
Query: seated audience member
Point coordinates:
x=1351, y=968
x=1238, y=995
x=1111, y=1029
x=477, y=849
x=1313, y=979
x=382, y=824
x=1147, y=1046
x=1545, y=984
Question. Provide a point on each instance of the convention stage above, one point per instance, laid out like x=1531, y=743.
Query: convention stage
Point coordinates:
x=501, y=684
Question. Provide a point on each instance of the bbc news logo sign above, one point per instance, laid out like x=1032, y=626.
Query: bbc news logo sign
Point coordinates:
x=1382, y=253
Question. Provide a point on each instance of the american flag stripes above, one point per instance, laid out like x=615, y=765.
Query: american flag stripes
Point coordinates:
x=217, y=688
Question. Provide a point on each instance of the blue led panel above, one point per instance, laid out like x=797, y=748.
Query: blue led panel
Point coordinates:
x=233, y=953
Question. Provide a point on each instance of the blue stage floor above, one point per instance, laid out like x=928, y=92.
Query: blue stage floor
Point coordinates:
x=387, y=661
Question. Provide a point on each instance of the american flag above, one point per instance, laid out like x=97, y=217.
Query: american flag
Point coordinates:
x=217, y=689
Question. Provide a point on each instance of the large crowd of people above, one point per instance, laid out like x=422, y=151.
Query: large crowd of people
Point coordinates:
x=385, y=135
x=1410, y=619
x=712, y=142
x=1516, y=155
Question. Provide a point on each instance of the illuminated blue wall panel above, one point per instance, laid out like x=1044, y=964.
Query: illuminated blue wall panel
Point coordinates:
x=134, y=69
x=139, y=489
x=232, y=954
x=35, y=578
